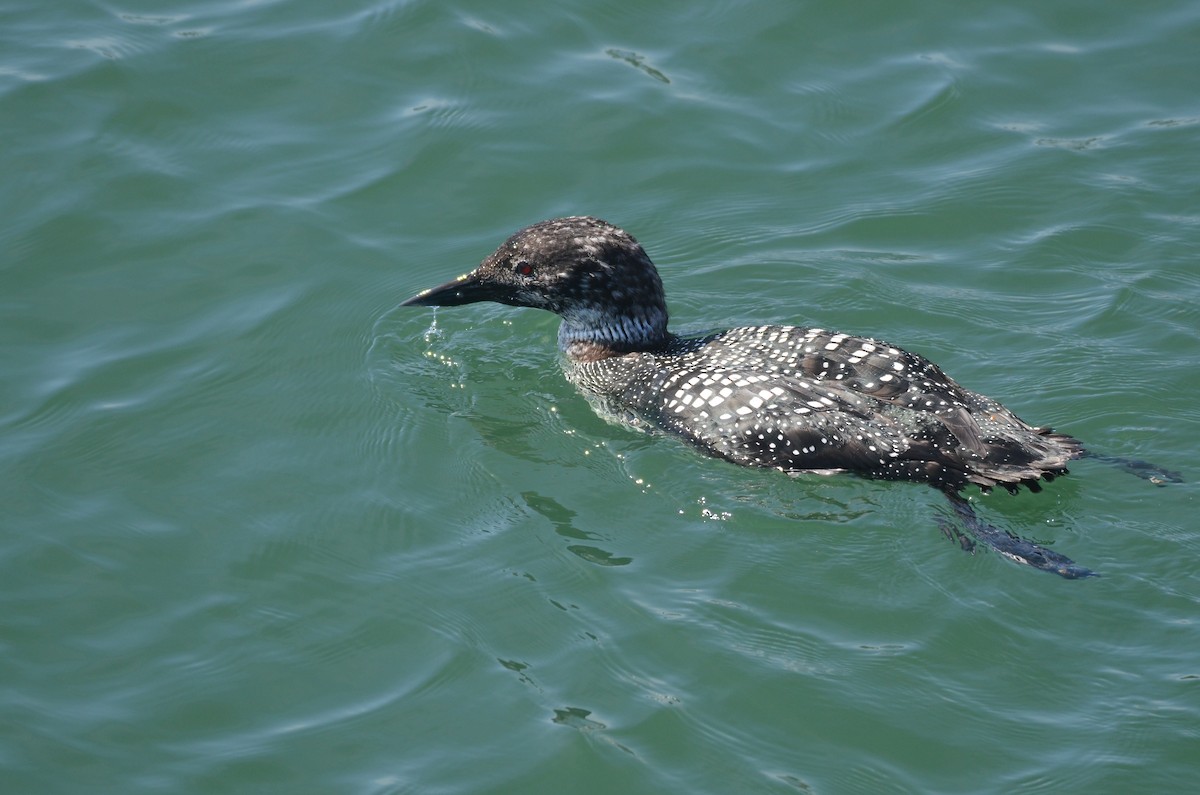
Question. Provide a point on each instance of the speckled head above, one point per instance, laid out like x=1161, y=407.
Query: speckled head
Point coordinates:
x=594, y=275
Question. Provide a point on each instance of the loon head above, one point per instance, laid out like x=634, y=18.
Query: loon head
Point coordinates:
x=594, y=275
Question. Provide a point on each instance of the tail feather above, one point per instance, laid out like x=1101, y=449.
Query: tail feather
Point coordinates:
x=1015, y=462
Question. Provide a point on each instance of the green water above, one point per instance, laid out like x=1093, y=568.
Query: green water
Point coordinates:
x=266, y=531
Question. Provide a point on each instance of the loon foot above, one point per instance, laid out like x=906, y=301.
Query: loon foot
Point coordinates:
x=957, y=536
x=1142, y=469
x=1032, y=554
x=1015, y=548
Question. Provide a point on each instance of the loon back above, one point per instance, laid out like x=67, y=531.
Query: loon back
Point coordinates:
x=783, y=397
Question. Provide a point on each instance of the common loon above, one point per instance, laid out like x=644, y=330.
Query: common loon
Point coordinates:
x=794, y=399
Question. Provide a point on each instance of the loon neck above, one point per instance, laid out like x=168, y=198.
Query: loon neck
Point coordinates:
x=590, y=334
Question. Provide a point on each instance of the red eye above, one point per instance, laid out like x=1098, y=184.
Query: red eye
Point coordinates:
x=523, y=268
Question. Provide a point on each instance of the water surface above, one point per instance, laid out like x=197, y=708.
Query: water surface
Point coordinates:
x=267, y=531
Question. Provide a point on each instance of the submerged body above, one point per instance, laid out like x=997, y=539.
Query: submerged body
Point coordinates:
x=809, y=400
x=783, y=397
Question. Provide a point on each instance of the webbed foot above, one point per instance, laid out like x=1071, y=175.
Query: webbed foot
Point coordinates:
x=1145, y=470
x=1017, y=549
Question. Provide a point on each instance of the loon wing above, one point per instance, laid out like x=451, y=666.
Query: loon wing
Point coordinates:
x=800, y=424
